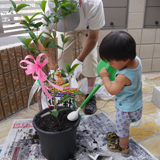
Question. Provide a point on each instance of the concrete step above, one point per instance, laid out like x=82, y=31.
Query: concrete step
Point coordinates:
x=156, y=96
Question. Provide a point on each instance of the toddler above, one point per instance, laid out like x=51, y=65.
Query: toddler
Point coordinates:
x=119, y=49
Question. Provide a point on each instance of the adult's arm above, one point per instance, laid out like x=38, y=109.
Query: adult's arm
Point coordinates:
x=89, y=45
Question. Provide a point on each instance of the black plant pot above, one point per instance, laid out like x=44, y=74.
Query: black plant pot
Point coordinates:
x=57, y=145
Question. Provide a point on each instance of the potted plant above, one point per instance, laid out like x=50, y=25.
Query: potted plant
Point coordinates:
x=57, y=134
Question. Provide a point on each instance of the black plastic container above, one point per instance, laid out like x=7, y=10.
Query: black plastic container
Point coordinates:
x=57, y=145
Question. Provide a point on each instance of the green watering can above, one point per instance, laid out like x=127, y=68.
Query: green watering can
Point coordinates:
x=109, y=68
x=74, y=115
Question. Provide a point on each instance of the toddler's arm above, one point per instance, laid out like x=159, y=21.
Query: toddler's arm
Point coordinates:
x=118, y=84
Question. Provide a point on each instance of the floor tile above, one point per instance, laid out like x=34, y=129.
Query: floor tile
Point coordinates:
x=26, y=114
x=147, y=82
x=147, y=118
x=100, y=102
x=152, y=145
x=140, y=134
x=147, y=97
x=3, y=140
x=147, y=88
x=153, y=126
x=5, y=127
x=109, y=107
x=149, y=108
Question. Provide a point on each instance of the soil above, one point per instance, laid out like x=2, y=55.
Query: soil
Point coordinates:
x=50, y=123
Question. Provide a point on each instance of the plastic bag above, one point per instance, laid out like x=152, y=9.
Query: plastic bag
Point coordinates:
x=101, y=92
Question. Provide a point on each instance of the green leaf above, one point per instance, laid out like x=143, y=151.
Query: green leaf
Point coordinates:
x=55, y=46
x=55, y=9
x=22, y=39
x=46, y=42
x=37, y=25
x=66, y=98
x=13, y=3
x=35, y=15
x=68, y=68
x=67, y=4
x=42, y=39
x=24, y=23
x=24, y=47
x=73, y=67
x=33, y=36
x=64, y=10
x=31, y=21
x=48, y=35
x=63, y=73
x=62, y=37
x=67, y=39
x=27, y=31
x=51, y=15
x=45, y=17
x=32, y=49
x=54, y=33
x=28, y=41
x=54, y=113
x=21, y=6
x=48, y=23
x=44, y=50
x=59, y=17
x=26, y=17
x=56, y=3
x=40, y=35
x=11, y=9
x=43, y=5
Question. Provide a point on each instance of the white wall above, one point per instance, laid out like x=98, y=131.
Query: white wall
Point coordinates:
x=147, y=39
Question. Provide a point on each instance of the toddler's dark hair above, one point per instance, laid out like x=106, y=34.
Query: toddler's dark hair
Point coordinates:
x=117, y=45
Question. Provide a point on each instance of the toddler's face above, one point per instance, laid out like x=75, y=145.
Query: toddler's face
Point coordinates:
x=118, y=64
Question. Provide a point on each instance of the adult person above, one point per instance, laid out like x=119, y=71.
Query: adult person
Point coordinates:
x=87, y=22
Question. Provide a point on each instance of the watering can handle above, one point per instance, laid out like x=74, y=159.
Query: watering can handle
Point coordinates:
x=107, y=67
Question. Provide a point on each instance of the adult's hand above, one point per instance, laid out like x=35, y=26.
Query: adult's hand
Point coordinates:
x=78, y=69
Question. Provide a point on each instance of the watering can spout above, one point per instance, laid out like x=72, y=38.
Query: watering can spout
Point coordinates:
x=112, y=71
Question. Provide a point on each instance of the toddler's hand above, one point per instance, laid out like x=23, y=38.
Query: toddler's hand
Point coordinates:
x=104, y=73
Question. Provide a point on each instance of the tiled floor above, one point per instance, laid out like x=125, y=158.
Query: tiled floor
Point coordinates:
x=146, y=132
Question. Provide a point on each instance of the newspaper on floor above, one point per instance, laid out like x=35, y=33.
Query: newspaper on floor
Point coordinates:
x=22, y=144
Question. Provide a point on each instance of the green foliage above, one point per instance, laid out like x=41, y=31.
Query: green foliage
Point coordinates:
x=21, y=6
x=55, y=46
x=67, y=7
x=27, y=42
x=22, y=39
x=63, y=73
x=17, y=8
x=33, y=36
x=43, y=5
x=69, y=69
x=67, y=39
x=67, y=97
x=56, y=113
x=13, y=3
x=61, y=10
